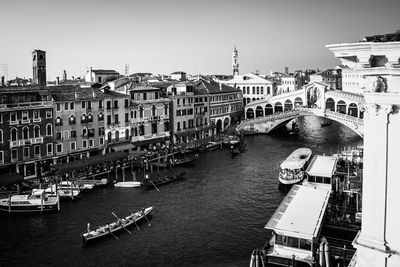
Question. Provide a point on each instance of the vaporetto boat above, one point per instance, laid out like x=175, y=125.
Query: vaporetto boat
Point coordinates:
x=292, y=169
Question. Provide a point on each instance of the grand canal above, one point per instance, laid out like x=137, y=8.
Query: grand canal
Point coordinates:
x=215, y=217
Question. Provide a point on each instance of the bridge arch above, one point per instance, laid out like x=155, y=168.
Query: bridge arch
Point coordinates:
x=278, y=107
x=269, y=109
x=219, y=126
x=226, y=123
x=288, y=105
x=250, y=114
x=298, y=102
x=330, y=104
x=259, y=112
x=341, y=107
x=353, y=110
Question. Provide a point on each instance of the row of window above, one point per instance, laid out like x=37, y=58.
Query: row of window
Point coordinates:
x=88, y=105
x=256, y=90
x=26, y=153
x=221, y=98
x=218, y=111
x=25, y=116
x=25, y=132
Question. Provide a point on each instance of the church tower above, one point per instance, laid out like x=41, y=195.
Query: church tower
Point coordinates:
x=235, y=61
x=39, y=67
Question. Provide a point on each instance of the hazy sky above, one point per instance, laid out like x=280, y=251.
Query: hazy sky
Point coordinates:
x=194, y=36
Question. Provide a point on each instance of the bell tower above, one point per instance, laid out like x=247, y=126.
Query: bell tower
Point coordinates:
x=39, y=67
x=235, y=61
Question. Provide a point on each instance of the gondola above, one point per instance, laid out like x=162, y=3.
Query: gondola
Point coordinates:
x=120, y=224
x=150, y=184
x=326, y=123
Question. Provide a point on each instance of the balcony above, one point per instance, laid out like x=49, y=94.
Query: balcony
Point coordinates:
x=30, y=141
x=27, y=105
x=149, y=136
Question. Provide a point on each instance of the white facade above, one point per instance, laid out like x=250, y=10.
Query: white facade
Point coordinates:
x=253, y=87
x=378, y=242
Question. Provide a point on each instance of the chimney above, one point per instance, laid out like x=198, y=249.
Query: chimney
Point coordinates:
x=2, y=81
x=72, y=77
x=220, y=86
x=76, y=96
x=91, y=79
x=64, y=75
x=94, y=94
x=58, y=80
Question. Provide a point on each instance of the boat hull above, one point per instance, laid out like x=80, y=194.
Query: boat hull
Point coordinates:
x=127, y=184
x=29, y=208
x=97, y=235
x=288, y=182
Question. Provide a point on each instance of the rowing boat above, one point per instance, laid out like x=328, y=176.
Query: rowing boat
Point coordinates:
x=119, y=224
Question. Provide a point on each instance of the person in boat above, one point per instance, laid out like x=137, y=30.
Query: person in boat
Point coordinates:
x=88, y=228
x=142, y=211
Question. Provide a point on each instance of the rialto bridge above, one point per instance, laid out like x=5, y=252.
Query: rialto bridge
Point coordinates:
x=263, y=116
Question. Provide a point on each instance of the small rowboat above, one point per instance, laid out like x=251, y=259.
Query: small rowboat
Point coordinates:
x=119, y=224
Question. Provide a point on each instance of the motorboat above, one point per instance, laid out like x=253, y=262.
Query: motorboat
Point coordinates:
x=37, y=201
x=210, y=146
x=292, y=169
x=66, y=189
x=120, y=224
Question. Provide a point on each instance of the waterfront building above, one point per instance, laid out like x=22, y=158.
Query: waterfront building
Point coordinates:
x=79, y=122
x=117, y=116
x=290, y=82
x=226, y=103
x=253, y=87
x=189, y=116
x=150, y=111
x=235, y=61
x=26, y=130
x=332, y=77
x=39, y=67
x=100, y=76
x=376, y=58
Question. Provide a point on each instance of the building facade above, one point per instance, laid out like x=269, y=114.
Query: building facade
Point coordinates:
x=79, y=123
x=253, y=87
x=150, y=111
x=226, y=103
x=100, y=76
x=26, y=130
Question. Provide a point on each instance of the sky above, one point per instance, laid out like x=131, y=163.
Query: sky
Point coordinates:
x=164, y=36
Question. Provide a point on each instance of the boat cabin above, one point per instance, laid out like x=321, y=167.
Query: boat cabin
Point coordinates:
x=296, y=226
x=320, y=171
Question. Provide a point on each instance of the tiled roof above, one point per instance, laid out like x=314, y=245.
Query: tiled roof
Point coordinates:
x=214, y=88
x=71, y=93
x=389, y=37
x=105, y=71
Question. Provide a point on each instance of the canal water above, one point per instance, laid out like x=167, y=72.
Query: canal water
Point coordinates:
x=215, y=217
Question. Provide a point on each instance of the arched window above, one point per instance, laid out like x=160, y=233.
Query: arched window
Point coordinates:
x=153, y=110
x=83, y=118
x=101, y=116
x=36, y=131
x=127, y=134
x=58, y=121
x=1, y=136
x=116, y=136
x=25, y=133
x=49, y=130
x=14, y=134
x=72, y=120
x=109, y=136
x=90, y=117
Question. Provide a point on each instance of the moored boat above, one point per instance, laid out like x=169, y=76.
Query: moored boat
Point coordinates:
x=128, y=184
x=66, y=189
x=37, y=201
x=292, y=169
x=210, y=146
x=326, y=123
x=119, y=224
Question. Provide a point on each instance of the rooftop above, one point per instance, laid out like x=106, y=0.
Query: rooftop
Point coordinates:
x=383, y=38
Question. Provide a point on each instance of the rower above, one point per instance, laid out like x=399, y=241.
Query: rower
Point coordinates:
x=88, y=228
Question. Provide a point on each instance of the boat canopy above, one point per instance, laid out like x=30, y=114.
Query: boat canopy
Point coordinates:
x=301, y=212
x=297, y=159
x=122, y=146
x=322, y=166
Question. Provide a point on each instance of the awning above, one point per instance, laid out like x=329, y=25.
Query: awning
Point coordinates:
x=122, y=146
x=151, y=141
x=11, y=178
x=92, y=161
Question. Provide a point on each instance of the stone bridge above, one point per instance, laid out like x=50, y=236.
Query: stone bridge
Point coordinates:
x=315, y=99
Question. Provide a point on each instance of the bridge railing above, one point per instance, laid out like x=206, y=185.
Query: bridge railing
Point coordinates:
x=275, y=116
x=337, y=115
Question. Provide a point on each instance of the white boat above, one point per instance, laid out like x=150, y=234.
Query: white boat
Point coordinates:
x=65, y=189
x=292, y=169
x=128, y=184
x=296, y=235
x=37, y=201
